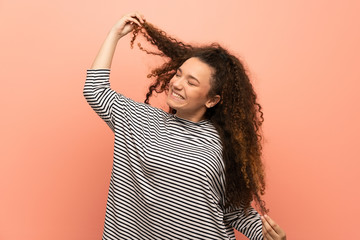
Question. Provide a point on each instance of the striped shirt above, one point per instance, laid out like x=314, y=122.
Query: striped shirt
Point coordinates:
x=167, y=178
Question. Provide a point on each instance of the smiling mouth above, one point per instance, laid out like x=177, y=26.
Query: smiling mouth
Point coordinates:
x=174, y=94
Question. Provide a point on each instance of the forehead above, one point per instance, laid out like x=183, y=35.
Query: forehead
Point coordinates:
x=198, y=69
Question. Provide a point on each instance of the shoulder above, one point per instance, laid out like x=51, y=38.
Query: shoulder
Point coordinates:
x=132, y=106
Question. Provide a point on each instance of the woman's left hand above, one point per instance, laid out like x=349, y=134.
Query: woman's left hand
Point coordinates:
x=271, y=230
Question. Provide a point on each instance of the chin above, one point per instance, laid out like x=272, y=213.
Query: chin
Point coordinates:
x=174, y=104
x=170, y=103
x=173, y=107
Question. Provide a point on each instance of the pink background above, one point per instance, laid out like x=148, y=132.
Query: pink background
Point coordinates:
x=56, y=153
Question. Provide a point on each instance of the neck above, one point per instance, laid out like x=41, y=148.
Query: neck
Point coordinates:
x=190, y=117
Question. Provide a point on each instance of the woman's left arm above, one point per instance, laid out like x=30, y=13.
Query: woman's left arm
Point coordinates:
x=250, y=225
x=254, y=226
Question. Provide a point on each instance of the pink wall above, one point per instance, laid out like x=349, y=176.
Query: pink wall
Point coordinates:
x=56, y=153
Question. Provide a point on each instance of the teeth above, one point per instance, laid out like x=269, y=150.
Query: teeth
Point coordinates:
x=177, y=95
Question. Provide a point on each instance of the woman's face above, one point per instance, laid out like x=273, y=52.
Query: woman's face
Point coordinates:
x=188, y=90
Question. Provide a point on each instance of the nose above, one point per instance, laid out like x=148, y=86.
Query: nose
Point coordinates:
x=177, y=83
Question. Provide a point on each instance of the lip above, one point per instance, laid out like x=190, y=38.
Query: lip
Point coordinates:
x=172, y=91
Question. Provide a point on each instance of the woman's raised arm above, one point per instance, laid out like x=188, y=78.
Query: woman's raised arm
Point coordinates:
x=121, y=28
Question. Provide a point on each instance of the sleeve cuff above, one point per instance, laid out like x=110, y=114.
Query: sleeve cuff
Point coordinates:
x=98, y=69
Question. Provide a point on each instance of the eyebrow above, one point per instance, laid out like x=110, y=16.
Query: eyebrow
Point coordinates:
x=190, y=76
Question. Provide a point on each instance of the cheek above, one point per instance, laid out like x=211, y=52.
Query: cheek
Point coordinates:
x=196, y=95
x=171, y=82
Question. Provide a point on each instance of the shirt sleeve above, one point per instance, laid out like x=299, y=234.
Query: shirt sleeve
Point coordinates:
x=250, y=226
x=118, y=111
x=99, y=95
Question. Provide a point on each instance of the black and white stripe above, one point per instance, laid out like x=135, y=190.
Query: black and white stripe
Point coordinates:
x=167, y=179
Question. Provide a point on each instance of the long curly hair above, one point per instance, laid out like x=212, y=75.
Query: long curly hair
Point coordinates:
x=237, y=117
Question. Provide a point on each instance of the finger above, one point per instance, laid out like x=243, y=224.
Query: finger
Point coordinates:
x=131, y=19
x=139, y=17
x=136, y=15
x=274, y=225
x=265, y=234
x=270, y=233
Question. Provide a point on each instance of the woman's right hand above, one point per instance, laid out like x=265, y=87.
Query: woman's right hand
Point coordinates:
x=126, y=23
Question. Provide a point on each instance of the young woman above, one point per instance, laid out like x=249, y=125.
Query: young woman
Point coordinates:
x=192, y=172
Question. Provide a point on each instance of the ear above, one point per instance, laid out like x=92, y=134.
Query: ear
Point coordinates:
x=213, y=101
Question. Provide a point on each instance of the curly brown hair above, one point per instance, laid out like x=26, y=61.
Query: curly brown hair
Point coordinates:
x=237, y=117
